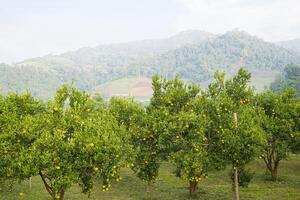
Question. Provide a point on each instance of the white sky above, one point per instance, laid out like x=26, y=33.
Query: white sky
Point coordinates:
x=272, y=20
x=31, y=28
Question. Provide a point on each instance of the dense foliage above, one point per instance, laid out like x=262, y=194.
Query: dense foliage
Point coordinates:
x=76, y=139
x=71, y=141
x=181, y=120
x=143, y=135
x=235, y=134
x=280, y=124
x=19, y=118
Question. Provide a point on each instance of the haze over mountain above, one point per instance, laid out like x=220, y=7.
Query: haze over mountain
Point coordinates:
x=194, y=55
x=291, y=44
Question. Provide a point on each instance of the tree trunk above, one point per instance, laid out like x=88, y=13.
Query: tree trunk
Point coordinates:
x=60, y=195
x=274, y=171
x=274, y=175
x=148, y=189
x=236, y=178
x=272, y=163
x=236, y=184
x=193, y=188
x=30, y=181
x=47, y=186
x=55, y=195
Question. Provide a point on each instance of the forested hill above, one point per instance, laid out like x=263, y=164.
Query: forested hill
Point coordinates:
x=291, y=44
x=194, y=55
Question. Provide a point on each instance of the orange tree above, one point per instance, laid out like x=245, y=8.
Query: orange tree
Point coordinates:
x=78, y=144
x=296, y=146
x=148, y=152
x=17, y=119
x=280, y=126
x=145, y=155
x=180, y=121
x=234, y=135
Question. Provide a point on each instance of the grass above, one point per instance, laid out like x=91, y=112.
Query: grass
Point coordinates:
x=262, y=79
x=168, y=187
x=121, y=86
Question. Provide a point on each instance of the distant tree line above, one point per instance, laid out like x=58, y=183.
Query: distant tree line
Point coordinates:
x=289, y=79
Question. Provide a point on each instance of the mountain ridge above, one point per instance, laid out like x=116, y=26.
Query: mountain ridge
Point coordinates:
x=194, y=55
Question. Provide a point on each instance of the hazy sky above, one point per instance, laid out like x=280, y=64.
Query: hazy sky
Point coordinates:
x=31, y=28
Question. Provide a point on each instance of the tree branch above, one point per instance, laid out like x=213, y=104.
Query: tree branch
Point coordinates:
x=47, y=186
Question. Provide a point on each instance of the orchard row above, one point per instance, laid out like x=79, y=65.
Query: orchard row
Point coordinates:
x=76, y=139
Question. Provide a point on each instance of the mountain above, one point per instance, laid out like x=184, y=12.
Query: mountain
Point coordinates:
x=293, y=45
x=194, y=55
x=228, y=52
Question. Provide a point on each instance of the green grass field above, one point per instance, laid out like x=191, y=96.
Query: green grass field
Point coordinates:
x=168, y=187
x=262, y=79
x=123, y=87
